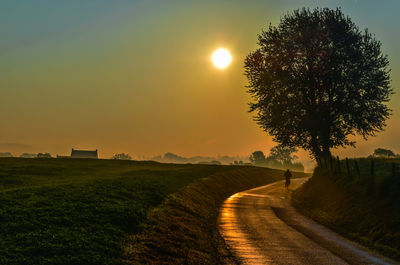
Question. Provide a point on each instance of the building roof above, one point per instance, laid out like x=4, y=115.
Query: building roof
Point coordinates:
x=84, y=153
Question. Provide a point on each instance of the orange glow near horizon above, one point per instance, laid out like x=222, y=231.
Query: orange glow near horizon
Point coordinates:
x=139, y=78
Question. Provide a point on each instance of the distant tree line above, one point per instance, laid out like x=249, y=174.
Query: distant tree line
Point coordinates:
x=6, y=154
x=280, y=157
x=38, y=155
x=43, y=155
x=122, y=156
x=174, y=158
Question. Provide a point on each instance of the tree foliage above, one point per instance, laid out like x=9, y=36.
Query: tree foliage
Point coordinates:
x=383, y=152
x=43, y=155
x=122, y=156
x=257, y=157
x=317, y=79
x=280, y=157
x=283, y=154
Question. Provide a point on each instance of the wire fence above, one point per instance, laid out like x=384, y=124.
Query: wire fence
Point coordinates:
x=362, y=167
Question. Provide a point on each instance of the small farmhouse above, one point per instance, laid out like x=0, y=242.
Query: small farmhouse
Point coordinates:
x=84, y=154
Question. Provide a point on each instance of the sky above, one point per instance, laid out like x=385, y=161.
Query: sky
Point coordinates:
x=136, y=76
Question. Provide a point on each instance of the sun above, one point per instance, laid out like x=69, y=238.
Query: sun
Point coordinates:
x=221, y=58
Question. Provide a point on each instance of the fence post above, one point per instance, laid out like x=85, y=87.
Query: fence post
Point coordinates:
x=348, y=167
x=338, y=163
x=397, y=169
x=357, y=168
x=331, y=161
x=371, y=186
x=372, y=168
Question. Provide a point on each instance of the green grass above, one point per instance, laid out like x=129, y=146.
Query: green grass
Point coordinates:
x=362, y=208
x=183, y=230
x=67, y=211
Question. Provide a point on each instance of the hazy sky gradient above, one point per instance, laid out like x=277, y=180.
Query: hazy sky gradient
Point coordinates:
x=136, y=76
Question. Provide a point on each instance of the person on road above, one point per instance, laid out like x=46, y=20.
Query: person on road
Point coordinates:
x=288, y=176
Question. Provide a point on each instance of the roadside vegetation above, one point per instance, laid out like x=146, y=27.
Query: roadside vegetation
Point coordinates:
x=71, y=211
x=358, y=198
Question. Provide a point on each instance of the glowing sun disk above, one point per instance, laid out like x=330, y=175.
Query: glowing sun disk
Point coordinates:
x=221, y=58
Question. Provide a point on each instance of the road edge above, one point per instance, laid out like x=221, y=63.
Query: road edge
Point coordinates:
x=183, y=230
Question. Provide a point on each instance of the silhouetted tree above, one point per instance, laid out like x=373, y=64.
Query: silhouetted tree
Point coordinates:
x=171, y=157
x=383, y=152
x=283, y=154
x=122, y=156
x=238, y=163
x=257, y=157
x=43, y=155
x=280, y=157
x=316, y=78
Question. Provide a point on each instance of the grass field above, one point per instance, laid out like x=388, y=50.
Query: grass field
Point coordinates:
x=67, y=211
x=363, y=208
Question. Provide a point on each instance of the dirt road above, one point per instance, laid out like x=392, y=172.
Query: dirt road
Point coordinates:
x=250, y=225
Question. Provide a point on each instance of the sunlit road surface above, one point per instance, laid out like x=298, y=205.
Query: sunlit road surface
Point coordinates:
x=250, y=225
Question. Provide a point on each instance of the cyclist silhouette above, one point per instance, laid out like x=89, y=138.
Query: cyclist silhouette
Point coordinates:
x=288, y=176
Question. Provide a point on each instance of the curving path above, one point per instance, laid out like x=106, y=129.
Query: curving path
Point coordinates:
x=250, y=226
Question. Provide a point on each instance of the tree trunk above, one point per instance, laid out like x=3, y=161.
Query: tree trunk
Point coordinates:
x=315, y=149
x=325, y=139
x=326, y=152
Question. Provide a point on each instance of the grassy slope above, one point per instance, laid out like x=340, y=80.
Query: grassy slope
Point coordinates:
x=183, y=229
x=64, y=211
x=357, y=207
